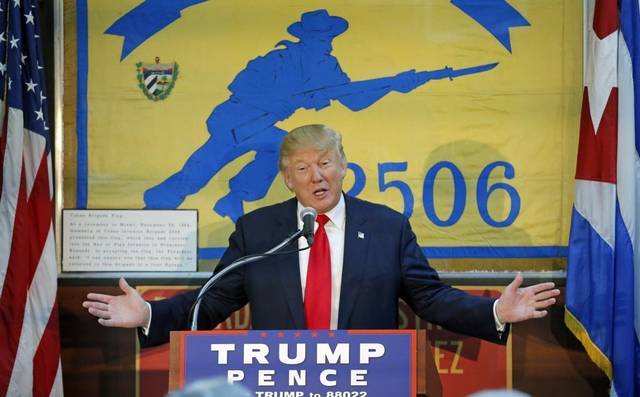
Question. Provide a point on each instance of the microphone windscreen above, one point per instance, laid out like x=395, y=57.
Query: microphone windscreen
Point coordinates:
x=308, y=211
x=308, y=216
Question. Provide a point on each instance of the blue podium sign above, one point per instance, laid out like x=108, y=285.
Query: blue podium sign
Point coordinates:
x=353, y=363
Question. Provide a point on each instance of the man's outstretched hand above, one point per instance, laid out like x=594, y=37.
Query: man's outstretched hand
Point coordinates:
x=519, y=304
x=126, y=311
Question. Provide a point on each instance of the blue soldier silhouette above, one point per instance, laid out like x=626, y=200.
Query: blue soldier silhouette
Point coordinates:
x=270, y=89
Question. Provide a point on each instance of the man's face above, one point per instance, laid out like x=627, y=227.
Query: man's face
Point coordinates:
x=315, y=176
x=317, y=45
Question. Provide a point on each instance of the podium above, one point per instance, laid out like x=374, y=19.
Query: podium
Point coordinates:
x=300, y=362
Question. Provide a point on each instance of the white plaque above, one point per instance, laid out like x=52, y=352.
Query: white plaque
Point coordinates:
x=129, y=240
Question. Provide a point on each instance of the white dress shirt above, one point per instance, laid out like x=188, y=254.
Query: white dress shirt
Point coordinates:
x=335, y=234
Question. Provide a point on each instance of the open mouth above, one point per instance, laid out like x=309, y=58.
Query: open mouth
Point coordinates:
x=319, y=193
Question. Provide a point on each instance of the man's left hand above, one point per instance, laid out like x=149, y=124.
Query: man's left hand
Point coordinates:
x=519, y=304
x=405, y=82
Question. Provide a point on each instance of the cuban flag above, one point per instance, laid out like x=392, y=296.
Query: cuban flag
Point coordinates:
x=603, y=276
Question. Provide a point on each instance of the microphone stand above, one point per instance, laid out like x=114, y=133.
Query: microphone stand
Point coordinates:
x=235, y=264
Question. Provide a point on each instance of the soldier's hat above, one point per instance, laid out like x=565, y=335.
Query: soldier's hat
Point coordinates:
x=318, y=23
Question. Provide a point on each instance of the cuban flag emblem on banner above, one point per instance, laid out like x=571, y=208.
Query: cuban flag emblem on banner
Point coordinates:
x=603, y=280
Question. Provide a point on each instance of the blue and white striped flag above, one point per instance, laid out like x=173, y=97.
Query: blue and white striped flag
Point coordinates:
x=603, y=280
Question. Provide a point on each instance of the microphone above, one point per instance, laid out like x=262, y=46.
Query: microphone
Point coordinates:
x=308, y=216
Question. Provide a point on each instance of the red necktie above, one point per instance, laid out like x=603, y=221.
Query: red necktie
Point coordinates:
x=317, y=293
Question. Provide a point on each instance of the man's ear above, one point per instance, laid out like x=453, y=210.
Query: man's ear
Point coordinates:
x=287, y=180
x=343, y=170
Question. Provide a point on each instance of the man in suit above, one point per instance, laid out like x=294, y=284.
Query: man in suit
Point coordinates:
x=365, y=257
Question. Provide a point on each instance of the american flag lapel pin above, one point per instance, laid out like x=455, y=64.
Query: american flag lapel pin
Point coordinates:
x=361, y=235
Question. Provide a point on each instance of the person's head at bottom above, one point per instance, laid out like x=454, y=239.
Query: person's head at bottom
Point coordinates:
x=213, y=387
x=313, y=166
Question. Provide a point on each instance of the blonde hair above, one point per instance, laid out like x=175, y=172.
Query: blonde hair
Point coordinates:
x=311, y=136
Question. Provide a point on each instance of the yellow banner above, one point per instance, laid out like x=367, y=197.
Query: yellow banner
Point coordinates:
x=183, y=105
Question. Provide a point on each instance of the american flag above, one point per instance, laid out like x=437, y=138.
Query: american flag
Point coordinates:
x=603, y=274
x=29, y=332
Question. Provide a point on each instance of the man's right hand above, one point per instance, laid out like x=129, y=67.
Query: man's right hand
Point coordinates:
x=126, y=311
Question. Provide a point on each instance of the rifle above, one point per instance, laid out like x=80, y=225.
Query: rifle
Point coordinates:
x=374, y=89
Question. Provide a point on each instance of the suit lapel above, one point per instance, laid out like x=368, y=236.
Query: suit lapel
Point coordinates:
x=289, y=265
x=356, y=244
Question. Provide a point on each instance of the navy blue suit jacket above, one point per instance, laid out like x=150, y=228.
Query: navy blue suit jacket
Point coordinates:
x=382, y=263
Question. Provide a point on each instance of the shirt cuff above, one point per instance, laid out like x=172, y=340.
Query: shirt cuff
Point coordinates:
x=499, y=326
x=145, y=328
